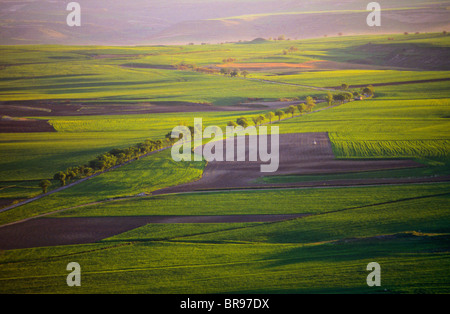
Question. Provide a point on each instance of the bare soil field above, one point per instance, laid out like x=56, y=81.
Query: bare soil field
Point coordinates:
x=67, y=231
x=51, y=108
x=8, y=201
x=397, y=83
x=407, y=55
x=254, y=105
x=149, y=66
x=268, y=65
x=300, y=153
x=293, y=68
x=119, y=56
x=8, y=125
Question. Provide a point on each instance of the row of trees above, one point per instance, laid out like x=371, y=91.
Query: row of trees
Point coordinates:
x=110, y=159
x=233, y=72
x=105, y=161
x=119, y=156
x=302, y=108
x=365, y=92
x=290, y=50
x=340, y=97
x=280, y=37
x=229, y=60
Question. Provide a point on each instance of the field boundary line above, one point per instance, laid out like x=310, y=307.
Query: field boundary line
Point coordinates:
x=293, y=84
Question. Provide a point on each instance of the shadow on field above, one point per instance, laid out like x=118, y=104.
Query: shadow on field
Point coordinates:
x=364, y=248
x=396, y=55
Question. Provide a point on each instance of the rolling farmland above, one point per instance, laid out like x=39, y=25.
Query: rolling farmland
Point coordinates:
x=366, y=180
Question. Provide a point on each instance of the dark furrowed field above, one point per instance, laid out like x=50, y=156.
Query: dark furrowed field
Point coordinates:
x=69, y=231
x=300, y=154
x=284, y=257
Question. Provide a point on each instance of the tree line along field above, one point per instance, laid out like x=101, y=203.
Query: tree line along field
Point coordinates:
x=396, y=127
x=143, y=176
x=403, y=227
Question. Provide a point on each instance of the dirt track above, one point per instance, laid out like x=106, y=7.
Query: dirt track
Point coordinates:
x=43, y=108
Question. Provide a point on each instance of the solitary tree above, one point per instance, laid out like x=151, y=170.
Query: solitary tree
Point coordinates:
x=70, y=174
x=261, y=118
x=61, y=176
x=347, y=95
x=301, y=108
x=158, y=144
x=44, y=184
x=232, y=123
x=329, y=98
x=339, y=97
x=291, y=110
x=245, y=74
x=270, y=116
x=368, y=90
x=235, y=73
x=344, y=86
x=243, y=122
x=258, y=120
x=310, y=103
x=87, y=171
x=97, y=164
x=344, y=96
x=279, y=113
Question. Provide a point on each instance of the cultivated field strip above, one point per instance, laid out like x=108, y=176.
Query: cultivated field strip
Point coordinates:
x=81, y=230
x=300, y=153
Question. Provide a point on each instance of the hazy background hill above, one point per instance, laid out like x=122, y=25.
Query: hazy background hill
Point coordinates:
x=137, y=22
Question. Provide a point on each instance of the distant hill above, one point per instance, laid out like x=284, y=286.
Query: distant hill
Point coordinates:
x=139, y=22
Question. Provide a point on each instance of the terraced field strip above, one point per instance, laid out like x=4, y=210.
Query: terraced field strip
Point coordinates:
x=397, y=83
x=299, y=153
x=80, y=230
x=293, y=84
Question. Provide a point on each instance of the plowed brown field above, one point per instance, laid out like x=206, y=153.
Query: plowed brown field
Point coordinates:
x=300, y=153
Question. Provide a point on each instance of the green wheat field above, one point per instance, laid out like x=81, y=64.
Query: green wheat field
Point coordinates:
x=405, y=227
